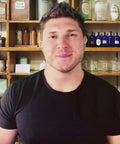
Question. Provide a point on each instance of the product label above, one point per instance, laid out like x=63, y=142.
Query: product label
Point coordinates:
x=85, y=8
x=63, y=1
x=98, y=42
x=19, y=5
x=2, y=10
x=116, y=42
x=104, y=42
x=91, y=42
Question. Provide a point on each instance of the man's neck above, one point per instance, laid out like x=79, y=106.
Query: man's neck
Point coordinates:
x=64, y=81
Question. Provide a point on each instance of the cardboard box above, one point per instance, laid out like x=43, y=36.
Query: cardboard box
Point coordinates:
x=3, y=13
x=22, y=10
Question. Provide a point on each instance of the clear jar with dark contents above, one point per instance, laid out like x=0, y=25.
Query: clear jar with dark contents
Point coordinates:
x=2, y=41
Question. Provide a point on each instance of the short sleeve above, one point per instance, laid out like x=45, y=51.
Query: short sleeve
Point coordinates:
x=7, y=118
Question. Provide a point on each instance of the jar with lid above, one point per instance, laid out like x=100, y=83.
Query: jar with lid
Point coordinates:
x=86, y=9
x=26, y=36
x=100, y=10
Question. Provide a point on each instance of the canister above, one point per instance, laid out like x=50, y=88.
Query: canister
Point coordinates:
x=2, y=65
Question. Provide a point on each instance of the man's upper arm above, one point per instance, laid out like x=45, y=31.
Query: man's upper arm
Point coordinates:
x=7, y=136
x=114, y=139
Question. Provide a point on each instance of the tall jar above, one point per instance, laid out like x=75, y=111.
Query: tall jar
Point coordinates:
x=100, y=10
x=86, y=9
x=43, y=7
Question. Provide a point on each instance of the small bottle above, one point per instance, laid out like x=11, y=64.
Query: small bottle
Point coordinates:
x=86, y=9
x=92, y=40
x=104, y=40
x=116, y=40
x=25, y=36
x=33, y=37
x=98, y=40
x=110, y=40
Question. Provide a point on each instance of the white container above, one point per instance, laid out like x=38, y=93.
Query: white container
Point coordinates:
x=68, y=1
x=114, y=12
x=100, y=10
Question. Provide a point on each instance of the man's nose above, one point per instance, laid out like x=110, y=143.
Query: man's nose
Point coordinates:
x=62, y=42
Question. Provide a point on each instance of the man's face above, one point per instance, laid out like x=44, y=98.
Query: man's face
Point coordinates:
x=63, y=44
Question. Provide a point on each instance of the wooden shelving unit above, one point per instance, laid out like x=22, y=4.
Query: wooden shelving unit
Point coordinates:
x=13, y=52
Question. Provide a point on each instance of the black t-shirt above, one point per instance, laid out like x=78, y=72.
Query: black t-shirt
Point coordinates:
x=42, y=115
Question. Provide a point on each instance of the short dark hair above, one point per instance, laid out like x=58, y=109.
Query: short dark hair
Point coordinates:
x=63, y=9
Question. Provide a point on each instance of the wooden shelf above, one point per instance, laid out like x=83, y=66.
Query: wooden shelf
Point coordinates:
x=3, y=21
x=3, y=73
x=103, y=49
x=30, y=21
x=4, y=49
x=109, y=73
x=102, y=22
x=25, y=49
x=22, y=74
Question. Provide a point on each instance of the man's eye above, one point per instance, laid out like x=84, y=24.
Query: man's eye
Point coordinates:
x=72, y=34
x=52, y=37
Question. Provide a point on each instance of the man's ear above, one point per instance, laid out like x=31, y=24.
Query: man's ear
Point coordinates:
x=85, y=40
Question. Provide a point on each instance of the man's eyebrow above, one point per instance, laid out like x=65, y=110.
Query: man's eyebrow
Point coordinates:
x=72, y=30
x=52, y=32
x=69, y=30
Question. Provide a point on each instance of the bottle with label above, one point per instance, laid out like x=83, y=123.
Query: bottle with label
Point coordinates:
x=86, y=9
x=92, y=40
x=33, y=37
x=114, y=11
x=104, y=40
x=26, y=36
x=100, y=10
x=98, y=40
x=116, y=40
x=19, y=37
x=110, y=40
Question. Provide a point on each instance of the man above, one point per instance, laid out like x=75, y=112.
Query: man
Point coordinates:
x=62, y=104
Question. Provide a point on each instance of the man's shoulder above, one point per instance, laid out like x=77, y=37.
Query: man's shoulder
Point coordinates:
x=28, y=80
x=96, y=81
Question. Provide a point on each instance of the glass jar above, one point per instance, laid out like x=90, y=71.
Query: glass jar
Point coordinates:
x=100, y=10
x=103, y=65
x=94, y=65
x=86, y=9
x=43, y=7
